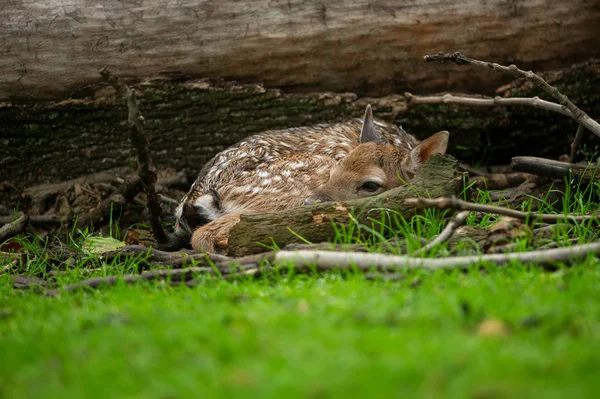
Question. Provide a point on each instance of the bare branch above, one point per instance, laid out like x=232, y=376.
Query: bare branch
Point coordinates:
x=455, y=203
x=146, y=169
x=445, y=235
x=555, y=169
x=499, y=181
x=535, y=102
x=576, y=142
x=13, y=228
x=324, y=260
x=577, y=114
x=96, y=282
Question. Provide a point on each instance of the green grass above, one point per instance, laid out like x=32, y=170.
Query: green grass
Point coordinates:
x=328, y=335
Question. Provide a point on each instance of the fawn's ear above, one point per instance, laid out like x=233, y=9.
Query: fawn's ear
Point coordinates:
x=369, y=132
x=436, y=144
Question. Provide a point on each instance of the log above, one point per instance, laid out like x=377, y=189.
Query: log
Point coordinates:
x=189, y=121
x=54, y=50
x=441, y=176
x=555, y=169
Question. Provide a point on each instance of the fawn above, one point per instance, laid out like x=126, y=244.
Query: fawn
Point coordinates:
x=276, y=170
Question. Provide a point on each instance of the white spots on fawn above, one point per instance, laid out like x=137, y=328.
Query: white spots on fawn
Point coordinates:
x=296, y=165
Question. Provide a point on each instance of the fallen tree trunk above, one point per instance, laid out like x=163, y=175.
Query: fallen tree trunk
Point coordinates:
x=190, y=121
x=441, y=176
x=55, y=50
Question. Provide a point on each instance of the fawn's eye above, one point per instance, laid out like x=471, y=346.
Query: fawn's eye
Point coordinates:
x=370, y=186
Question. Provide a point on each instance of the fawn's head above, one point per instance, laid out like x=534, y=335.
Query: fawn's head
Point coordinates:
x=375, y=166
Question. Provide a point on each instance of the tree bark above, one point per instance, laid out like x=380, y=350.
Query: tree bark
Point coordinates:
x=189, y=121
x=52, y=49
x=440, y=177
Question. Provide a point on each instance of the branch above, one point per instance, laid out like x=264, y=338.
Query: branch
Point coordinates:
x=96, y=282
x=555, y=169
x=577, y=114
x=13, y=228
x=499, y=181
x=146, y=169
x=535, y=102
x=324, y=260
x=576, y=142
x=228, y=269
x=455, y=203
x=445, y=235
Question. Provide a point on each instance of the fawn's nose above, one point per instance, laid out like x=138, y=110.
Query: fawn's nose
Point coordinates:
x=316, y=199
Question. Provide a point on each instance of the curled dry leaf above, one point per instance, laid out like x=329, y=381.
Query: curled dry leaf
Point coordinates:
x=505, y=230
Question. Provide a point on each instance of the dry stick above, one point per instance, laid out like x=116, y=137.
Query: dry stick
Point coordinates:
x=445, y=235
x=576, y=142
x=146, y=169
x=228, y=269
x=13, y=228
x=577, y=114
x=324, y=260
x=34, y=219
x=499, y=181
x=535, y=102
x=174, y=274
x=232, y=268
x=170, y=259
x=327, y=260
x=555, y=169
x=455, y=203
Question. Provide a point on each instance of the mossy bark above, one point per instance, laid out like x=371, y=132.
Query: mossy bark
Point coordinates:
x=190, y=121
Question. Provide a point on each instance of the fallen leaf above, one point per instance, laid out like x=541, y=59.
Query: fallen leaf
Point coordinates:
x=132, y=237
x=492, y=328
x=100, y=245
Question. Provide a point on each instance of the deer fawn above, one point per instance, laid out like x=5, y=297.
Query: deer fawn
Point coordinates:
x=276, y=170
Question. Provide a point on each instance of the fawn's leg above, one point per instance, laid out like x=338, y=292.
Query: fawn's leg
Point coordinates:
x=213, y=237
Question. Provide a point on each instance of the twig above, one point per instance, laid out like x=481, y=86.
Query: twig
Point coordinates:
x=535, y=102
x=576, y=142
x=34, y=219
x=228, y=269
x=455, y=203
x=174, y=274
x=11, y=263
x=324, y=260
x=146, y=169
x=499, y=181
x=554, y=244
x=168, y=200
x=555, y=169
x=21, y=281
x=577, y=114
x=164, y=258
x=445, y=235
x=13, y=228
